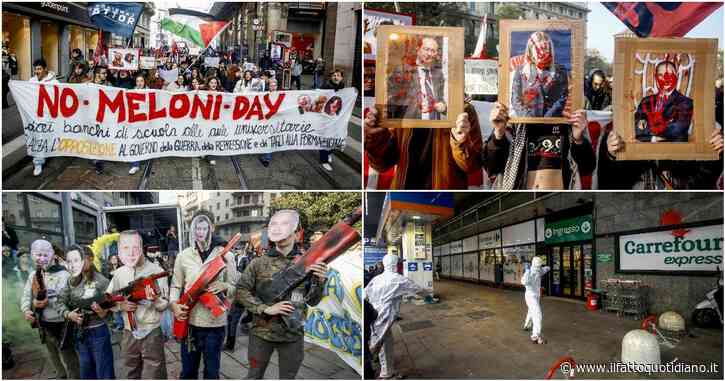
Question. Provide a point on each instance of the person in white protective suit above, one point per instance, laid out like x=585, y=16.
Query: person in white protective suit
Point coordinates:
x=384, y=293
x=532, y=281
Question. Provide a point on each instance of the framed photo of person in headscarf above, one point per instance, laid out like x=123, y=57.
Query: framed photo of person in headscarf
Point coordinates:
x=663, y=101
x=419, y=76
x=541, y=69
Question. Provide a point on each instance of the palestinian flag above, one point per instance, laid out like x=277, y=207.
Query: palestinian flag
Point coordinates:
x=196, y=27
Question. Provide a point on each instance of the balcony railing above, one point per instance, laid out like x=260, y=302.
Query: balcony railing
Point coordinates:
x=241, y=220
x=238, y=205
x=306, y=5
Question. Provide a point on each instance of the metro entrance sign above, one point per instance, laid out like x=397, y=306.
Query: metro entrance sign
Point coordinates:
x=569, y=230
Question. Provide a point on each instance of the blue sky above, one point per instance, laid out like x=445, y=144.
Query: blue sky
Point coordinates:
x=602, y=25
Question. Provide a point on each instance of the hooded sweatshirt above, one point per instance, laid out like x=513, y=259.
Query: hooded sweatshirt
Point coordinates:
x=384, y=293
x=50, y=77
x=532, y=277
x=188, y=267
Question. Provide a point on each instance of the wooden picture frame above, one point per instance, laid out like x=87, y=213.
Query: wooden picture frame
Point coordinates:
x=449, y=68
x=577, y=42
x=630, y=89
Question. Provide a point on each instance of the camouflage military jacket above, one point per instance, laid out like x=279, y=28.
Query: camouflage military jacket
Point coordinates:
x=272, y=328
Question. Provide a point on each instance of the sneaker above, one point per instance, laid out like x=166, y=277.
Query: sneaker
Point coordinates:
x=327, y=166
x=265, y=163
x=212, y=162
x=37, y=169
x=133, y=170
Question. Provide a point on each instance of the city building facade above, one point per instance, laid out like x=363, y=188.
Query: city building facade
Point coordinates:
x=234, y=212
x=51, y=30
x=588, y=239
x=55, y=215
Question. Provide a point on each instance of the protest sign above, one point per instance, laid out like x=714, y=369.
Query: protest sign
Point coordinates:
x=106, y=123
x=147, y=62
x=372, y=19
x=481, y=77
x=169, y=75
x=211, y=61
x=123, y=59
x=335, y=322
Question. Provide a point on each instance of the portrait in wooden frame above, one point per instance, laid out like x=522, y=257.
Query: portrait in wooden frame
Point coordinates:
x=530, y=48
x=413, y=91
x=282, y=38
x=663, y=99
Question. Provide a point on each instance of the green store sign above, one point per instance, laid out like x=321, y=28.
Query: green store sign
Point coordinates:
x=569, y=230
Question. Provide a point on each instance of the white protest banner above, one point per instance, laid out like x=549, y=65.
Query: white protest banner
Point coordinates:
x=335, y=322
x=123, y=59
x=107, y=123
x=481, y=77
x=211, y=61
x=147, y=62
x=169, y=75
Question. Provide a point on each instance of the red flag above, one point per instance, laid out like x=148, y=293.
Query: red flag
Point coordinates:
x=662, y=19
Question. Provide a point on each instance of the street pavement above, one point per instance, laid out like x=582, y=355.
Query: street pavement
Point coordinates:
x=289, y=170
x=319, y=363
x=476, y=332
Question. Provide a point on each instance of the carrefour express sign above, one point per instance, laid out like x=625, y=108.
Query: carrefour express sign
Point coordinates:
x=691, y=249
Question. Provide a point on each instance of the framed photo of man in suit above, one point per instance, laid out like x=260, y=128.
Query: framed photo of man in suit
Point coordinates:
x=664, y=104
x=419, y=76
x=540, y=69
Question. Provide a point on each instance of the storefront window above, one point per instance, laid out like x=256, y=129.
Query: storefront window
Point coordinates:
x=91, y=43
x=16, y=38
x=514, y=258
x=14, y=212
x=85, y=226
x=26, y=237
x=44, y=214
x=50, y=37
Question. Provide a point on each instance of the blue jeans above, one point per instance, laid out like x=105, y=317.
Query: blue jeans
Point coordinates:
x=235, y=315
x=167, y=324
x=207, y=342
x=325, y=156
x=135, y=164
x=95, y=354
x=118, y=319
x=266, y=157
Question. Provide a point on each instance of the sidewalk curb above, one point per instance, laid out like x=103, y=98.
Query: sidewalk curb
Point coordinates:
x=14, y=155
x=352, y=155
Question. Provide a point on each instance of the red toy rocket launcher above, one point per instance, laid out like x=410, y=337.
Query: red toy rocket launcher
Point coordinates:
x=198, y=289
x=335, y=242
x=136, y=292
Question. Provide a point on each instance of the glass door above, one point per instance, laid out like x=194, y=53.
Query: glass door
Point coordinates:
x=556, y=271
x=566, y=273
x=576, y=269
